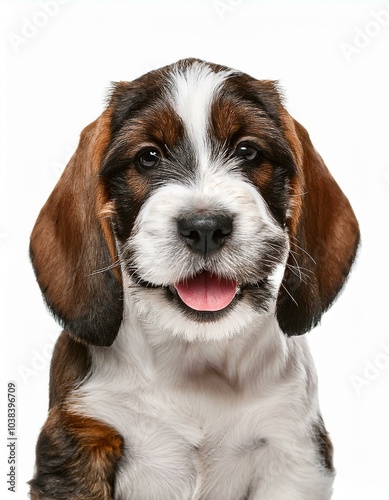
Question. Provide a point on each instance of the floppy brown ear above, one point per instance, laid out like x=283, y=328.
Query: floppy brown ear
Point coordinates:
x=72, y=246
x=324, y=238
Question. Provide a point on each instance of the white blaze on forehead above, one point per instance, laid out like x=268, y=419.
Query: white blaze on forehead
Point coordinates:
x=192, y=91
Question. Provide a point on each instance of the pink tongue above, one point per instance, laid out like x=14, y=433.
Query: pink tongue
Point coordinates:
x=206, y=292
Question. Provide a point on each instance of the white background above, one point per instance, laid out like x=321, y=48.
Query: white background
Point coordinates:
x=56, y=69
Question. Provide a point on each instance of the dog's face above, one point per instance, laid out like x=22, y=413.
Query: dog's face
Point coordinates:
x=209, y=173
x=212, y=200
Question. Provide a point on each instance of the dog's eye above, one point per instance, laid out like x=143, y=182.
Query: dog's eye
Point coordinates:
x=148, y=158
x=247, y=151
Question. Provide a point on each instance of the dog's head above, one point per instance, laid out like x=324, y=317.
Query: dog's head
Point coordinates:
x=199, y=197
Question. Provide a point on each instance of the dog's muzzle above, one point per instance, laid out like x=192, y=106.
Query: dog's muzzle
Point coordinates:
x=205, y=233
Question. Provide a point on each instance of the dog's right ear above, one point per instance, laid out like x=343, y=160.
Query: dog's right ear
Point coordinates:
x=73, y=248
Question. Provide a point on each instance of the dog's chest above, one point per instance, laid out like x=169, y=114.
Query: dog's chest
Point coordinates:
x=182, y=444
x=190, y=429
x=187, y=441
x=172, y=441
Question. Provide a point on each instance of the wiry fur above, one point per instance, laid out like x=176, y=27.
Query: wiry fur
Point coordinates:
x=187, y=404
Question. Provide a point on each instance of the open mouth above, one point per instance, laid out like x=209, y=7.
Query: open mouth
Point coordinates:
x=205, y=293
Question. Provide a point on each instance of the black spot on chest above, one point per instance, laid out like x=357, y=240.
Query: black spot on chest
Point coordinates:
x=323, y=443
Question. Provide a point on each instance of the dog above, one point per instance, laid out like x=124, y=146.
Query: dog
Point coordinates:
x=192, y=240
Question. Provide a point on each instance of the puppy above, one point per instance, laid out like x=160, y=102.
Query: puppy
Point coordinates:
x=192, y=238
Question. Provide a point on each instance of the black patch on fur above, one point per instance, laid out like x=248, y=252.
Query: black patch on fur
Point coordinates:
x=128, y=98
x=324, y=444
x=254, y=445
x=55, y=475
x=65, y=469
x=249, y=493
x=127, y=206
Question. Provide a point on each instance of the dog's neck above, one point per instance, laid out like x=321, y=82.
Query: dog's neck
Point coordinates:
x=251, y=360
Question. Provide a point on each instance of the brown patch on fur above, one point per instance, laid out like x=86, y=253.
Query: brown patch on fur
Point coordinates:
x=105, y=214
x=163, y=125
x=102, y=196
x=331, y=228
x=227, y=122
x=77, y=458
x=263, y=176
x=139, y=186
x=72, y=248
x=157, y=126
x=297, y=184
x=233, y=121
x=324, y=237
x=69, y=366
x=54, y=240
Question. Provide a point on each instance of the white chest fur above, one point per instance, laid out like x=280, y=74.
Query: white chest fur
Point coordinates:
x=225, y=420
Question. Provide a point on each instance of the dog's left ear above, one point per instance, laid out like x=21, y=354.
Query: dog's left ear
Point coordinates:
x=73, y=248
x=324, y=237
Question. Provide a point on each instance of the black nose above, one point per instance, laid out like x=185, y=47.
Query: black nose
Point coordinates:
x=205, y=233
